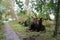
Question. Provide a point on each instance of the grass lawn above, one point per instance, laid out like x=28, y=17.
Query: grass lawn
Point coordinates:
x=21, y=31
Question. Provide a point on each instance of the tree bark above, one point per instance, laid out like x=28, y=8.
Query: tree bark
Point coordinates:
x=57, y=18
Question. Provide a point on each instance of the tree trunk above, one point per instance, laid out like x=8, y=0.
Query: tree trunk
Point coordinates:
x=57, y=18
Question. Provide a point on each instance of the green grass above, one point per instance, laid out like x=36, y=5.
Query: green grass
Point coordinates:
x=1, y=33
x=21, y=31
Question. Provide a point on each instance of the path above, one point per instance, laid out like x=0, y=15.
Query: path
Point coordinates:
x=9, y=33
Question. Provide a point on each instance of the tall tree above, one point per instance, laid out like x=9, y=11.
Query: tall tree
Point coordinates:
x=9, y=5
x=28, y=8
x=57, y=8
x=1, y=10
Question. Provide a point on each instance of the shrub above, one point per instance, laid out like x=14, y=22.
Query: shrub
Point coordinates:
x=1, y=24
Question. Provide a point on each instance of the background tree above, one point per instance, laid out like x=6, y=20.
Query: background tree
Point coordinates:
x=41, y=8
x=57, y=9
x=9, y=5
x=0, y=11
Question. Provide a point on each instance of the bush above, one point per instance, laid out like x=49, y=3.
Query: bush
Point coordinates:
x=6, y=19
x=28, y=21
x=1, y=24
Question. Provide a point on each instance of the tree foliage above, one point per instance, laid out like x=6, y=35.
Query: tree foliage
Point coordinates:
x=41, y=8
x=20, y=4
